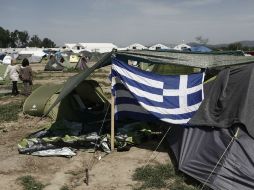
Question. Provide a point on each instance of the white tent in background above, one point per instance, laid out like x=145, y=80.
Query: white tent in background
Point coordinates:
x=182, y=47
x=136, y=46
x=7, y=60
x=94, y=47
x=36, y=54
x=69, y=46
x=158, y=47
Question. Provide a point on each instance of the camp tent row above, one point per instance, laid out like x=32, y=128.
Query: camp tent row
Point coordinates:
x=219, y=157
x=34, y=55
x=180, y=47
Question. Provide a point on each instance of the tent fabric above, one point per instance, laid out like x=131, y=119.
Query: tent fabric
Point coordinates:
x=90, y=107
x=7, y=60
x=75, y=80
x=182, y=47
x=200, y=49
x=53, y=66
x=196, y=60
x=35, y=103
x=74, y=58
x=191, y=59
x=89, y=93
x=158, y=47
x=230, y=101
x=198, y=149
x=82, y=64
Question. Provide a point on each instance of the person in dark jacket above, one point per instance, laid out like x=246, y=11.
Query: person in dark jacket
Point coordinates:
x=26, y=76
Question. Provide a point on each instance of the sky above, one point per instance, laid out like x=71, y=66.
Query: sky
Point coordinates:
x=124, y=22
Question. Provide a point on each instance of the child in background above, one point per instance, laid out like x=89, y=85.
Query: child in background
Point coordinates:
x=13, y=71
x=26, y=76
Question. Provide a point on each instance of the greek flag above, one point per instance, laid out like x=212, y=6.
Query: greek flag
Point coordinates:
x=147, y=96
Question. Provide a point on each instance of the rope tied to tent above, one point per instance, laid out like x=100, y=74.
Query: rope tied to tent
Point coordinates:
x=91, y=162
x=150, y=157
x=95, y=144
x=216, y=165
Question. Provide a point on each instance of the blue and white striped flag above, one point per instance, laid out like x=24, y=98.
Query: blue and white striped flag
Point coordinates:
x=144, y=95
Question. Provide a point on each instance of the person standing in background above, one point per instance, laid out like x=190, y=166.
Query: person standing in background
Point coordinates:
x=13, y=71
x=26, y=76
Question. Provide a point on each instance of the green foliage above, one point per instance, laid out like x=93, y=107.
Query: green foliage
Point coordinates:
x=160, y=176
x=153, y=176
x=65, y=187
x=4, y=37
x=29, y=183
x=71, y=70
x=21, y=39
x=35, y=41
x=9, y=112
x=235, y=46
x=46, y=42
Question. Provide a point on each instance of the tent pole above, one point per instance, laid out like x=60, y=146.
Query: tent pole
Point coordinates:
x=112, y=118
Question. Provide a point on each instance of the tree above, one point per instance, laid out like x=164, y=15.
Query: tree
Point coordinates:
x=4, y=38
x=14, y=38
x=47, y=43
x=35, y=41
x=202, y=40
x=19, y=38
x=235, y=46
x=23, y=38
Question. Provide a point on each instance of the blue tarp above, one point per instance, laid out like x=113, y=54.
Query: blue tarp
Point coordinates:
x=200, y=49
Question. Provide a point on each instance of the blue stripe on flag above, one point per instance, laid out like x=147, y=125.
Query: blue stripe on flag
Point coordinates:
x=194, y=80
x=172, y=83
x=194, y=98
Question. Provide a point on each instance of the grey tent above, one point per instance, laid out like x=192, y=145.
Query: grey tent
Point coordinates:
x=217, y=148
x=198, y=149
x=53, y=65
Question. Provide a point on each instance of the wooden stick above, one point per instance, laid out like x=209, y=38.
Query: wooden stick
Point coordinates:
x=112, y=118
x=86, y=180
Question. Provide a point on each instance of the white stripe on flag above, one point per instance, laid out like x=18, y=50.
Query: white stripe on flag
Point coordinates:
x=139, y=92
x=179, y=121
x=145, y=94
x=170, y=110
x=138, y=78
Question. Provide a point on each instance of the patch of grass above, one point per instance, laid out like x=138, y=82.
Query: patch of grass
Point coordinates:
x=9, y=112
x=38, y=77
x=75, y=172
x=160, y=176
x=71, y=70
x=29, y=183
x=65, y=187
x=100, y=75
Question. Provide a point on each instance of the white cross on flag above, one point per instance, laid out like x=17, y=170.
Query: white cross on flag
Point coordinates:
x=145, y=95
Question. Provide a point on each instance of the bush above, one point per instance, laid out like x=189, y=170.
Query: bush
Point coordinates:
x=160, y=176
x=29, y=183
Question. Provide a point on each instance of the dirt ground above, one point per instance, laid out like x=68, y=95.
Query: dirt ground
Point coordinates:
x=112, y=171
